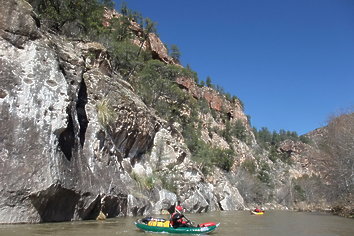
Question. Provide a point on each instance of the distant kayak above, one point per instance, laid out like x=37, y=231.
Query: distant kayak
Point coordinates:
x=163, y=226
x=257, y=213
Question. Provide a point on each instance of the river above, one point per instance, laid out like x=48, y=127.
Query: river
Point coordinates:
x=272, y=223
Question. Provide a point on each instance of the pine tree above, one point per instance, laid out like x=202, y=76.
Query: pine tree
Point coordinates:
x=175, y=53
x=208, y=82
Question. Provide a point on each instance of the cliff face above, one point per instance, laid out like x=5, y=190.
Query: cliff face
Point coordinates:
x=72, y=133
x=57, y=162
x=76, y=140
x=149, y=42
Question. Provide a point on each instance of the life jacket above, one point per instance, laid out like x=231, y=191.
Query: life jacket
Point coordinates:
x=176, y=219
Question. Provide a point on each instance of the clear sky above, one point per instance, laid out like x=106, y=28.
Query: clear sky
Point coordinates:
x=290, y=61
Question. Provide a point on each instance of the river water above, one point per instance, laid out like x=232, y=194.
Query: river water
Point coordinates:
x=273, y=223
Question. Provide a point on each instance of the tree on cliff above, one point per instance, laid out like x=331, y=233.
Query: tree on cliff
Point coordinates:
x=175, y=53
x=157, y=88
x=71, y=16
x=208, y=82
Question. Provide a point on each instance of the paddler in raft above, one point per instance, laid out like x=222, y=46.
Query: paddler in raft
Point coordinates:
x=258, y=210
x=178, y=219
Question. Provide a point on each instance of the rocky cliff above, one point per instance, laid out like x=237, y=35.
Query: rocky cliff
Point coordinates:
x=58, y=162
x=76, y=140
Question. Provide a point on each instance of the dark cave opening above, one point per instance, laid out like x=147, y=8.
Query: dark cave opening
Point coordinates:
x=81, y=112
x=55, y=204
x=67, y=139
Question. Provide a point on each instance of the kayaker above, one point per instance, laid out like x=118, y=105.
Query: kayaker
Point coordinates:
x=258, y=209
x=177, y=218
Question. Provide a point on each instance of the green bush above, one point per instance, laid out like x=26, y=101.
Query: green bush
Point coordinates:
x=85, y=14
x=168, y=184
x=239, y=131
x=226, y=133
x=273, y=155
x=119, y=30
x=223, y=159
x=263, y=174
x=143, y=182
x=150, y=182
x=105, y=112
x=286, y=158
x=305, y=139
x=249, y=165
x=125, y=58
x=204, y=154
x=157, y=87
x=203, y=106
x=300, y=194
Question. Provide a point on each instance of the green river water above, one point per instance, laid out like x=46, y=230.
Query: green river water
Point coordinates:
x=273, y=223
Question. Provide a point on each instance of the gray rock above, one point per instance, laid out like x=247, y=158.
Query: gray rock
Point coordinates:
x=18, y=23
x=166, y=200
x=58, y=160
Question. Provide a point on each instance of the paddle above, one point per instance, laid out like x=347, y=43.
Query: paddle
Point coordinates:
x=185, y=217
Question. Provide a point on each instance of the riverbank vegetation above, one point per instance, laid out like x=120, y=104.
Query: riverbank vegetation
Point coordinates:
x=337, y=163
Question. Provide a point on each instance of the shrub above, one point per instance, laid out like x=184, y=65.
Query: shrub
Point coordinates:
x=305, y=139
x=203, y=106
x=239, y=131
x=226, y=133
x=105, y=112
x=168, y=184
x=84, y=14
x=300, y=194
x=223, y=159
x=286, y=158
x=249, y=165
x=204, y=154
x=144, y=182
x=273, y=155
x=150, y=182
x=125, y=57
x=157, y=87
x=263, y=174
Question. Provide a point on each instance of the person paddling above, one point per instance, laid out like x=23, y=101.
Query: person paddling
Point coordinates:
x=258, y=210
x=177, y=217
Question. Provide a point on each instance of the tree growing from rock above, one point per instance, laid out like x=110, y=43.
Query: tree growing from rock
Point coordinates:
x=208, y=82
x=175, y=53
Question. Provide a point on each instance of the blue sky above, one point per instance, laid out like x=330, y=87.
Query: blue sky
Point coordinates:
x=290, y=61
